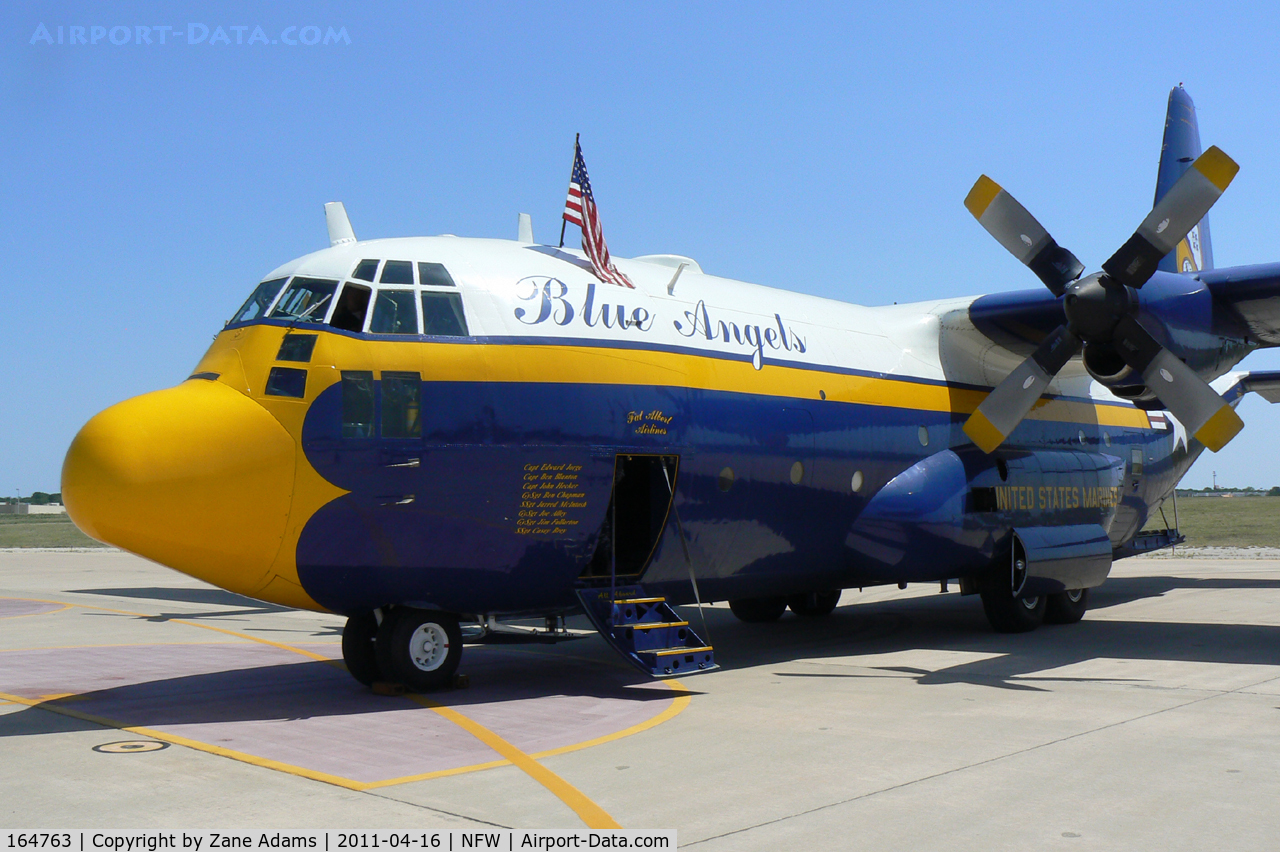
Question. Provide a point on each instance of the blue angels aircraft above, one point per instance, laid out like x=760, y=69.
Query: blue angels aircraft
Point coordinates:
x=430, y=433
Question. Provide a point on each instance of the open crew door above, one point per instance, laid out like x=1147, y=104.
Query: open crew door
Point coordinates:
x=643, y=486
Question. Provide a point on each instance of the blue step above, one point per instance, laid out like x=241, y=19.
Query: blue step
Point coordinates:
x=647, y=631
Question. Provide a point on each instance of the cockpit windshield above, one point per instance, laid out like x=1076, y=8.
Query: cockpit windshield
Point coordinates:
x=262, y=297
x=306, y=300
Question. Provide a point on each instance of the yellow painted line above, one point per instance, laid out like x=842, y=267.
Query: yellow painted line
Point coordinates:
x=678, y=705
x=310, y=654
x=120, y=645
x=63, y=608
x=254, y=760
x=591, y=814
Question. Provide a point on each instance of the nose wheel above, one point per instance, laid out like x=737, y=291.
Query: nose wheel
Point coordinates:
x=419, y=648
x=358, y=649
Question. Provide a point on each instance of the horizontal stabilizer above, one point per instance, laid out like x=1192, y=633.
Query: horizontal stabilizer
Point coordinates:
x=1265, y=384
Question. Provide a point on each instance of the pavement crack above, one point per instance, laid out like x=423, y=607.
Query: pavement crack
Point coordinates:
x=976, y=764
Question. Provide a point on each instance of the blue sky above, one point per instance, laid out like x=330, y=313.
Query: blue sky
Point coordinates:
x=821, y=148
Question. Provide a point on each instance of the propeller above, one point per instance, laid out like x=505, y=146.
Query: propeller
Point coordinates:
x=1100, y=308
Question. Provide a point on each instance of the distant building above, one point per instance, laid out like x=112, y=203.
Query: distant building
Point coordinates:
x=29, y=509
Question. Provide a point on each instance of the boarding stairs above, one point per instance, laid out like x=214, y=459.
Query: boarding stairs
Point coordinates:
x=646, y=630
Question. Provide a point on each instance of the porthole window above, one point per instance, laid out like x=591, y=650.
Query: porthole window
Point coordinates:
x=1002, y=468
x=923, y=434
x=797, y=473
x=1082, y=439
x=856, y=482
x=1106, y=438
x=726, y=479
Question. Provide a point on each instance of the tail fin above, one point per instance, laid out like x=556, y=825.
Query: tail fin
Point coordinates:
x=1181, y=147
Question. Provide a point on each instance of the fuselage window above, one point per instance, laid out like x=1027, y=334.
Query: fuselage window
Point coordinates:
x=365, y=270
x=306, y=300
x=401, y=405
x=434, y=275
x=397, y=272
x=394, y=313
x=442, y=315
x=352, y=305
x=263, y=295
x=357, y=404
x=287, y=381
x=296, y=347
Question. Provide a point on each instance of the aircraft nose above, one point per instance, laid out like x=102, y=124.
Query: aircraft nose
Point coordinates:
x=197, y=477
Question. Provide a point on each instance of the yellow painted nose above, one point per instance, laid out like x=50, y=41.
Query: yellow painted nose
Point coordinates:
x=197, y=477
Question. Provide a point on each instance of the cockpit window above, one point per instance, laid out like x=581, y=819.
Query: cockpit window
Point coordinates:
x=434, y=275
x=397, y=272
x=394, y=313
x=351, y=309
x=365, y=270
x=263, y=295
x=442, y=314
x=306, y=300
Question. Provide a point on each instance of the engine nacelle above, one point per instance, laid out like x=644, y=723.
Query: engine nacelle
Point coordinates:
x=1109, y=369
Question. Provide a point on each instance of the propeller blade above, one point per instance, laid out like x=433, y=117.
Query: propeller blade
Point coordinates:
x=1003, y=409
x=1023, y=237
x=1207, y=416
x=1181, y=208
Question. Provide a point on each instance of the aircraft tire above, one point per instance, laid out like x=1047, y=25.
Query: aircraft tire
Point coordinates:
x=758, y=610
x=814, y=604
x=1066, y=607
x=359, y=650
x=419, y=648
x=1008, y=614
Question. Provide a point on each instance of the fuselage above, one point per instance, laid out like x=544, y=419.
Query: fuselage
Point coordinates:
x=486, y=440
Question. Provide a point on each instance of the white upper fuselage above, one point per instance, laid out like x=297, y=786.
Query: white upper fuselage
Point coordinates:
x=518, y=290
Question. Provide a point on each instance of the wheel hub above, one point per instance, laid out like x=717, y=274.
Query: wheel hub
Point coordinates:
x=429, y=647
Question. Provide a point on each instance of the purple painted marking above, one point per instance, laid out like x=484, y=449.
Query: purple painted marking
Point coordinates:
x=271, y=703
x=12, y=607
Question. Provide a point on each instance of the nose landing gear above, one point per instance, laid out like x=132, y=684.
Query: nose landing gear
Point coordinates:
x=418, y=648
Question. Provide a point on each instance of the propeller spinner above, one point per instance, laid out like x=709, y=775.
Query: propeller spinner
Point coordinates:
x=1100, y=308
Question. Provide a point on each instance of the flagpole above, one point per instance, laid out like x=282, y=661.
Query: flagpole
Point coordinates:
x=564, y=221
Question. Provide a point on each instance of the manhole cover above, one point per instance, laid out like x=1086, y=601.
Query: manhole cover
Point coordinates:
x=130, y=746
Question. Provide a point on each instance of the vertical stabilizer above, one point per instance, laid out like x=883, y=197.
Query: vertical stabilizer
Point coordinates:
x=1181, y=147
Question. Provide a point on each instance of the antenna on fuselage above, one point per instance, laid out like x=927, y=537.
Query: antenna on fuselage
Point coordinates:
x=524, y=231
x=335, y=216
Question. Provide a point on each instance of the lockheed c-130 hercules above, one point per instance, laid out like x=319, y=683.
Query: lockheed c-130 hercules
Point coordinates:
x=429, y=432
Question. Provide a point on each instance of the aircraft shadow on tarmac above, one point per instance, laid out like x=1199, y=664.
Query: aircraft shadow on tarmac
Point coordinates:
x=799, y=646
x=314, y=689
x=209, y=597
x=947, y=624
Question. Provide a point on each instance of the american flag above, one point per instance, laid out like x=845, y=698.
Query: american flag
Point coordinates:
x=580, y=209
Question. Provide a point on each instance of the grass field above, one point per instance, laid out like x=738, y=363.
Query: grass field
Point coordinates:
x=1225, y=521
x=1206, y=522
x=42, y=531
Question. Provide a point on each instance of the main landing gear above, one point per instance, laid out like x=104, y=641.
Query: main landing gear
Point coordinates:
x=418, y=648
x=1009, y=611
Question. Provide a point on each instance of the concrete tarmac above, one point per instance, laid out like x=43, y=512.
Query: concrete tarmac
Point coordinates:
x=135, y=697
